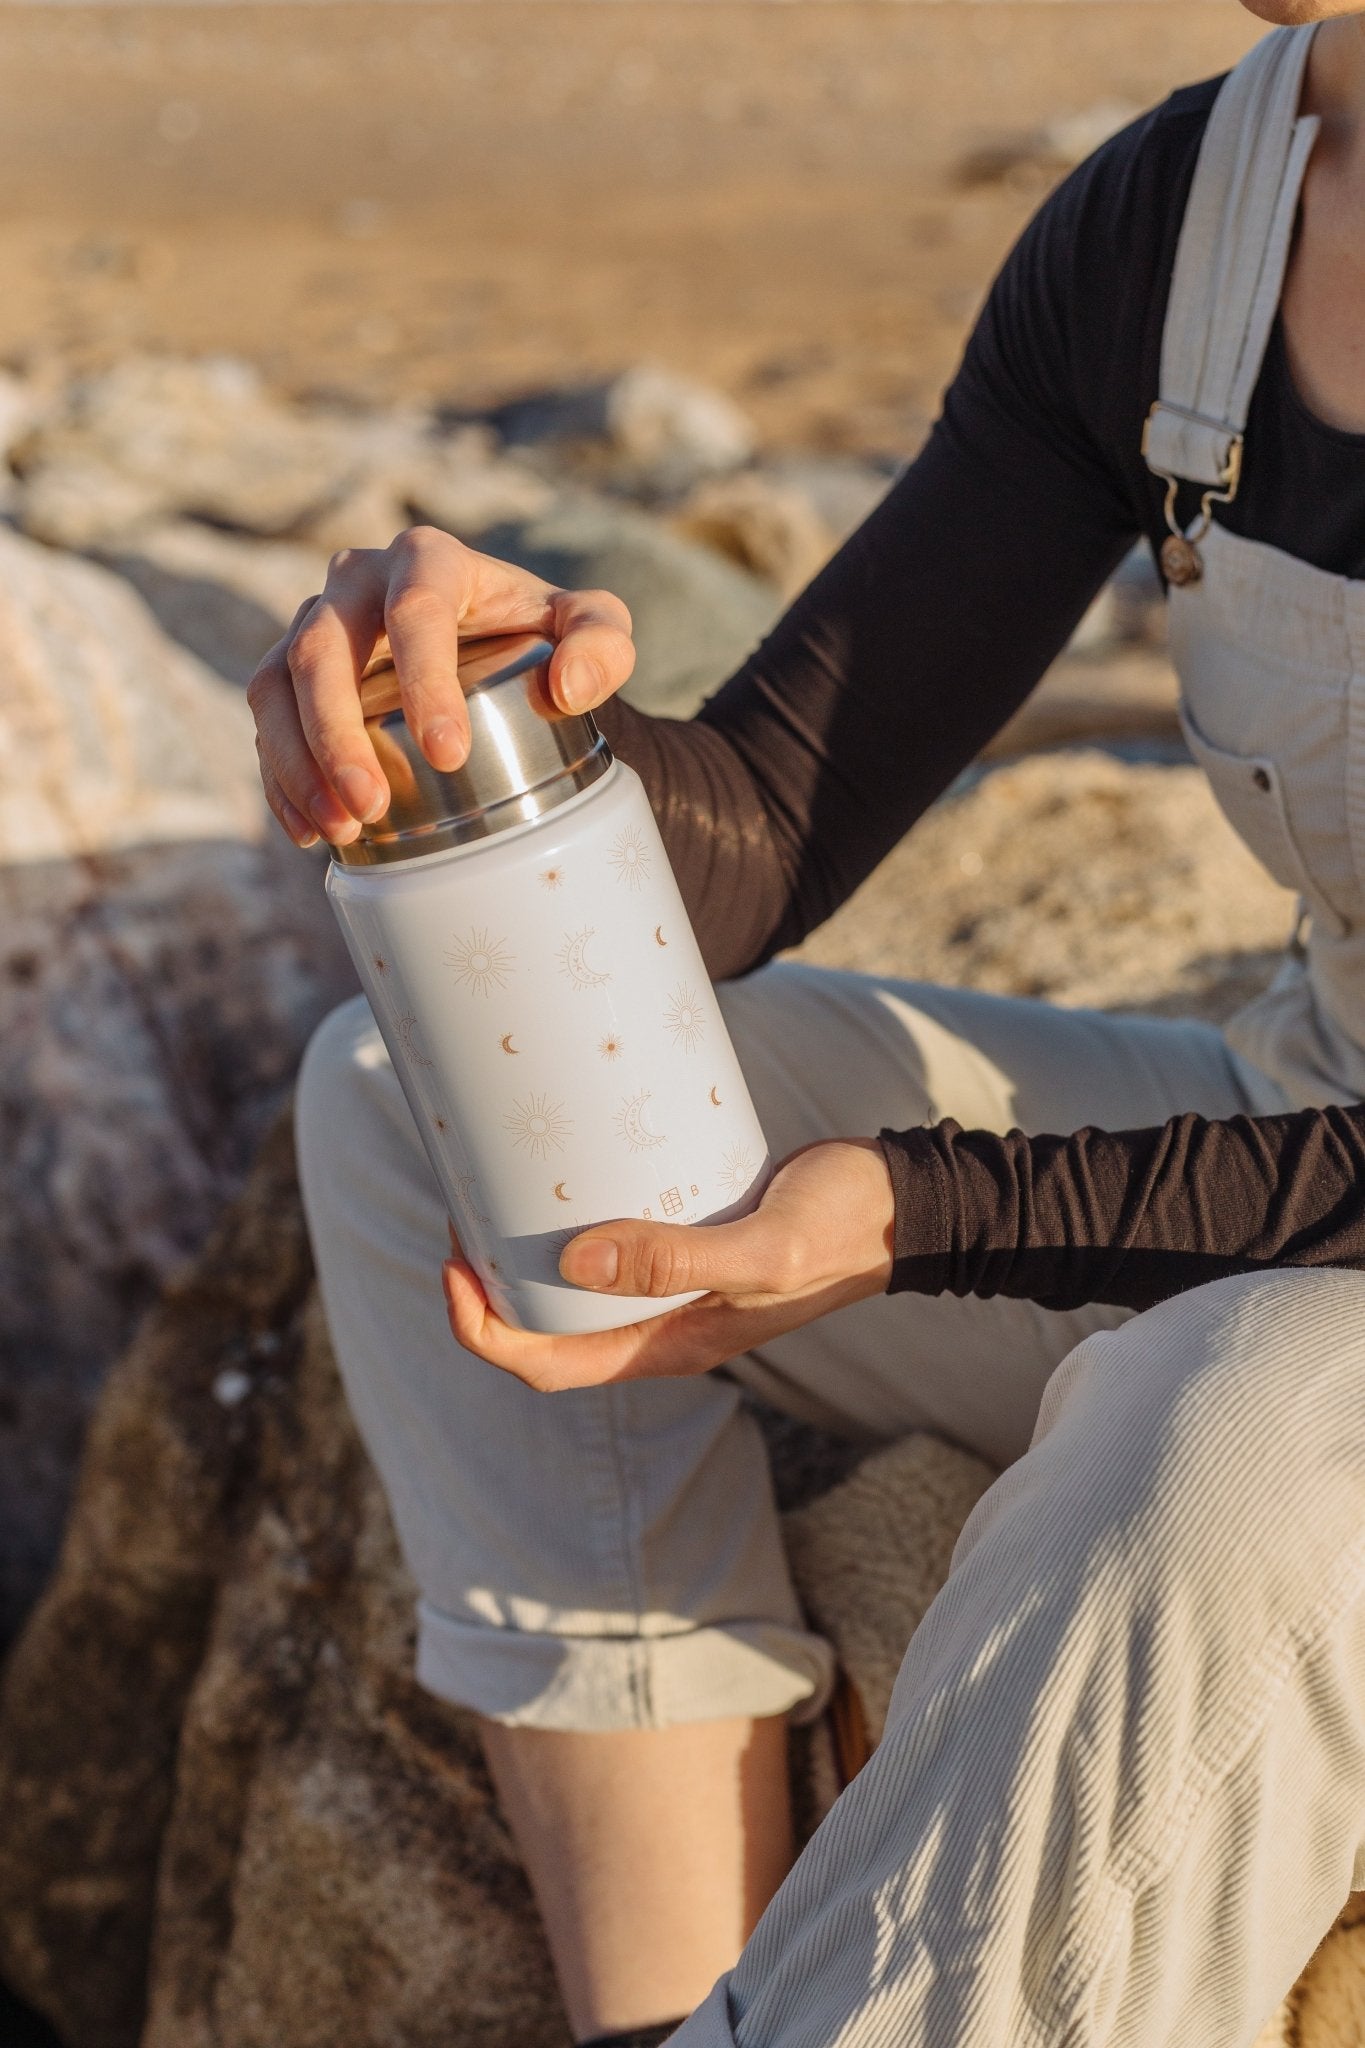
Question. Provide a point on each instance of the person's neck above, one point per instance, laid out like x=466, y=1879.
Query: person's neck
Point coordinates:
x=1335, y=88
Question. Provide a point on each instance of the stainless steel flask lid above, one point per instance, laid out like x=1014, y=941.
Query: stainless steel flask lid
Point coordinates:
x=526, y=757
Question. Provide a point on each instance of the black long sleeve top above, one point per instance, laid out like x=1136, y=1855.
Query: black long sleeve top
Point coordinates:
x=916, y=644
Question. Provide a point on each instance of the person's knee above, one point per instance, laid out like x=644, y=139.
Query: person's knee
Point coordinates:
x=1224, y=1428
x=344, y=1068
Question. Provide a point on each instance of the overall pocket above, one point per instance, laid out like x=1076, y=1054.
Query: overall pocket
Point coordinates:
x=1250, y=793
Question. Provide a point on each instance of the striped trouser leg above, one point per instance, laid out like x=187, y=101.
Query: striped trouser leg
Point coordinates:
x=1121, y=1794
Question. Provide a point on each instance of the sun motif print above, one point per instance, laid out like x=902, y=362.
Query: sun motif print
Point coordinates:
x=551, y=878
x=481, y=962
x=612, y=1046
x=560, y=1239
x=629, y=856
x=631, y=1124
x=737, y=1170
x=574, y=961
x=406, y=1027
x=539, y=1125
x=685, y=1018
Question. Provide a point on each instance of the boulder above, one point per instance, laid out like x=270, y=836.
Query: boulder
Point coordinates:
x=1118, y=694
x=1078, y=878
x=226, y=597
x=164, y=959
x=648, y=430
x=231, y=1815
x=696, y=615
x=841, y=489
x=160, y=435
x=769, y=528
x=465, y=486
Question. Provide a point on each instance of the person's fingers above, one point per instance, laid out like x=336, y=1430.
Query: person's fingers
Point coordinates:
x=748, y=1257
x=594, y=653
x=429, y=587
x=327, y=651
x=547, y=1364
x=300, y=829
x=439, y=589
x=286, y=754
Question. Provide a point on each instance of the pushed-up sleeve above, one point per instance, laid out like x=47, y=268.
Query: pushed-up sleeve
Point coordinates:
x=1125, y=1217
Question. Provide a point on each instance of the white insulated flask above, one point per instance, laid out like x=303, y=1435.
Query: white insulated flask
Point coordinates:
x=520, y=936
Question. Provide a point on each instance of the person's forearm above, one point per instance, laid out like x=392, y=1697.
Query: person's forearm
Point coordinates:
x=1125, y=1217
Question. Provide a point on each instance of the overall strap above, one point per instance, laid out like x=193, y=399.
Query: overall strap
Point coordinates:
x=1229, y=268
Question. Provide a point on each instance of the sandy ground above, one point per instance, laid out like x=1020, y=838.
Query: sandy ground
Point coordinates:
x=454, y=200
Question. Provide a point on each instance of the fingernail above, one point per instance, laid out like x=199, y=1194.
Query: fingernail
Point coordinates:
x=443, y=743
x=590, y=1262
x=580, y=683
x=363, y=797
x=298, y=827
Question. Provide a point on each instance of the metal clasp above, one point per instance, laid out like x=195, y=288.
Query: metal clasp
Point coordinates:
x=1229, y=480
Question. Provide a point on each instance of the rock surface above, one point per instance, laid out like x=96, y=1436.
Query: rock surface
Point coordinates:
x=162, y=963
x=767, y=527
x=1076, y=878
x=696, y=615
x=647, y=431
x=226, y=597
x=156, y=435
x=231, y=1816
x=226, y=1800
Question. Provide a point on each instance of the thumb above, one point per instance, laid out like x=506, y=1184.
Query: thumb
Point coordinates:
x=656, y=1259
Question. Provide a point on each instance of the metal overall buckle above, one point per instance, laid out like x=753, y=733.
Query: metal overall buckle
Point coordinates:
x=1181, y=561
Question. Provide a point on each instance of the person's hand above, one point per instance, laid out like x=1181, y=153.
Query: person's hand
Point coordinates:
x=820, y=1238
x=424, y=591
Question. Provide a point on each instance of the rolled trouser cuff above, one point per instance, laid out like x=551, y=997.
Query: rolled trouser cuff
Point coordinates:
x=603, y=1683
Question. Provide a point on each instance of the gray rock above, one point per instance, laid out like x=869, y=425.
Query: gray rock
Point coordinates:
x=225, y=596
x=156, y=436
x=648, y=430
x=464, y=486
x=1076, y=878
x=841, y=488
x=231, y=1816
x=163, y=960
x=696, y=616
x=671, y=429
x=768, y=527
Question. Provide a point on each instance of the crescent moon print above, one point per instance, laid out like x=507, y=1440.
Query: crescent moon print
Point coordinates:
x=715, y=1098
x=737, y=1170
x=539, y=1125
x=506, y=1043
x=630, y=857
x=465, y=1185
x=406, y=1028
x=560, y=1195
x=481, y=962
x=659, y=938
x=631, y=1124
x=573, y=961
x=685, y=1018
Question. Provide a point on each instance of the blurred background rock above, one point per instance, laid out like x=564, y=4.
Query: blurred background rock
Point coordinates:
x=646, y=293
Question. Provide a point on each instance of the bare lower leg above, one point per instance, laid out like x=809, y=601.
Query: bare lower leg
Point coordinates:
x=652, y=1853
